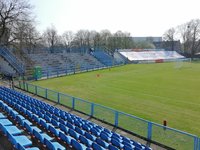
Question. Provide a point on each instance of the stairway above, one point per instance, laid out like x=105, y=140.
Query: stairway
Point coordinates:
x=12, y=60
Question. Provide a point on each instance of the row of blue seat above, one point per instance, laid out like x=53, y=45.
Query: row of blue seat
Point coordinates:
x=14, y=134
x=43, y=138
x=76, y=127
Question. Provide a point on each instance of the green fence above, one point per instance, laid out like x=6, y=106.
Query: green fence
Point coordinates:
x=151, y=131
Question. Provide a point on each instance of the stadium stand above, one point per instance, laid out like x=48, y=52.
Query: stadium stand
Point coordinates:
x=54, y=128
x=151, y=55
x=64, y=61
x=104, y=58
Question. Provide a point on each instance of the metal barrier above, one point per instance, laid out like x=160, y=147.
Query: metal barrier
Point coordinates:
x=151, y=131
x=46, y=74
x=12, y=60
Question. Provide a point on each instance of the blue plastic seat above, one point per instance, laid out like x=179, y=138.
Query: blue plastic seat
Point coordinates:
x=20, y=147
x=78, y=146
x=62, y=121
x=67, y=139
x=128, y=147
x=86, y=127
x=49, y=114
x=41, y=136
x=90, y=136
x=53, y=130
x=40, y=114
x=13, y=114
x=5, y=122
x=30, y=128
x=47, y=118
x=53, y=145
x=13, y=130
x=35, y=118
x=63, y=128
x=95, y=132
x=138, y=145
x=2, y=116
x=102, y=143
x=55, y=118
x=111, y=147
x=96, y=146
x=55, y=122
x=29, y=114
x=23, y=110
x=22, y=140
x=105, y=137
x=8, y=109
x=77, y=123
x=117, y=143
x=70, y=126
x=78, y=130
x=85, y=141
x=44, y=124
x=117, y=139
x=74, y=134
x=107, y=131
x=69, y=119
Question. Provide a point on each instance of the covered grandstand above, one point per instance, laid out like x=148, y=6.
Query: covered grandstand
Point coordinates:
x=150, y=55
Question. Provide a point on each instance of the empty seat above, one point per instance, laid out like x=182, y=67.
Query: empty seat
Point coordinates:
x=30, y=128
x=55, y=122
x=67, y=139
x=5, y=122
x=44, y=124
x=2, y=116
x=53, y=130
x=105, y=137
x=41, y=136
x=74, y=134
x=95, y=132
x=78, y=130
x=102, y=143
x=117, y=143
x=70, y=126
x=96, y=146
x=89, y=136
x=111, y=147
x=63, y=128
x=53, y=145
x=77, y=145
x=85, y=141
x=20, y=147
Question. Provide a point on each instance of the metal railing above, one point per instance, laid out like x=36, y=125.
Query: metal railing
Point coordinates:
x=151, y=131
x=49, y=73
x=12, y=60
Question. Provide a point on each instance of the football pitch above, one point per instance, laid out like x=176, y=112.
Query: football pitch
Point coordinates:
x=156, y=92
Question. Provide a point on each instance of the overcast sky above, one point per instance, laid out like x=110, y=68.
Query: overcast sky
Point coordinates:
x=139, y=17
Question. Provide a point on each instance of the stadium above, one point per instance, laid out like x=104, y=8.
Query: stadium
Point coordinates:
x=122, y=92
x=96, y=90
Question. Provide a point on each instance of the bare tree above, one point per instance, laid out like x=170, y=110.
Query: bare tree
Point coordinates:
x=82, y=38
x=27, y=37
x=190, y=35
x=105, y=35
x=12, y=12
x=169, y=35
x=68, y=38
x=51, y=38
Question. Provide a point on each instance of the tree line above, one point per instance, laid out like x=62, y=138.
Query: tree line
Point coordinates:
x=18, y=30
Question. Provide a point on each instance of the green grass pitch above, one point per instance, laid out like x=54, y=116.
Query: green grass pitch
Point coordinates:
x=155, y=92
